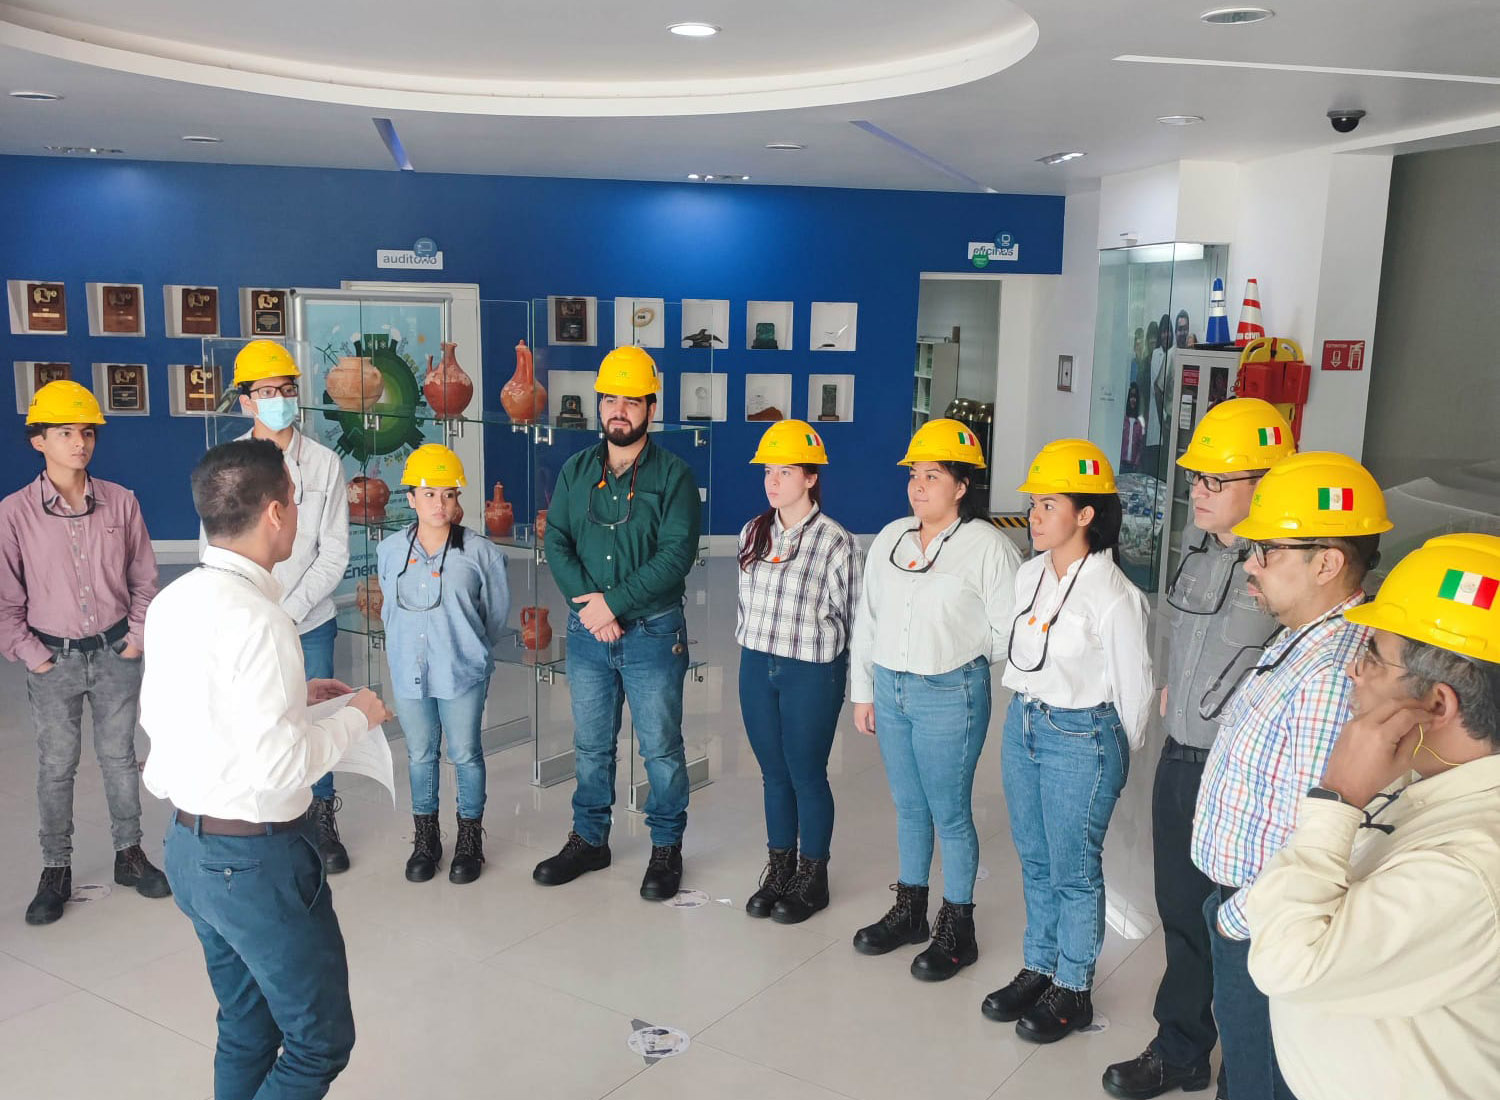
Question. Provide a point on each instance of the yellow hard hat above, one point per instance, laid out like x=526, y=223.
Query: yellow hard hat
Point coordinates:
x=264, y=359
x=628, y=372
x=1069, y=466
x=944, y=441
x=1243, y=433
x=1446, y=594
x=433, y=466
x=790, y=443
x=1317, y=494
x=64, y=402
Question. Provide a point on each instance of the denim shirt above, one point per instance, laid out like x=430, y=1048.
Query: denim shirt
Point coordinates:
x=443, y=652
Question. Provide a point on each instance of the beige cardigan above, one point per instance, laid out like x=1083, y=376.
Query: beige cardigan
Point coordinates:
x=1383, y=966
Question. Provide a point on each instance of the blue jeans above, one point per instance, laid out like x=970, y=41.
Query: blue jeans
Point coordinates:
x=646, y=667
x=1243, y=1014
x=264, y=914
x=931, y=730
x=1064, y=770
x=791, y=710
x=317, y=660
x=428, y=723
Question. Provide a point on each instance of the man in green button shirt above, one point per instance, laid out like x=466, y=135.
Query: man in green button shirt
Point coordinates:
x=622, y=533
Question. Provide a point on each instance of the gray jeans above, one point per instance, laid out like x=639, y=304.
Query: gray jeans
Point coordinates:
x=112, y=686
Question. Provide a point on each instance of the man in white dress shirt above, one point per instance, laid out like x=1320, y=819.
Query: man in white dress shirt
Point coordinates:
x=225, y=701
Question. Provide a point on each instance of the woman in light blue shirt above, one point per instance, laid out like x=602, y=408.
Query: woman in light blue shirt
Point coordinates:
x=446, y=601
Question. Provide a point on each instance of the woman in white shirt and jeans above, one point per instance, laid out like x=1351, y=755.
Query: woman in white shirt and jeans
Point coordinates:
x=931, y=619
x=1080, y=667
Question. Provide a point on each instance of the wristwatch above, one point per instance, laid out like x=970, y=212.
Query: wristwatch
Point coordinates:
x=1327, y=795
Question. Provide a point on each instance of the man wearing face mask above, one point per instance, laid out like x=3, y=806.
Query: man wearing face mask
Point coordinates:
x=1215, y=624
x=1314, y=531
x=266, y=376
x=1376, y=930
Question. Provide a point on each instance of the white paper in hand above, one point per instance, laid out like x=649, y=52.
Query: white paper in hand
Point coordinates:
x=369, y=756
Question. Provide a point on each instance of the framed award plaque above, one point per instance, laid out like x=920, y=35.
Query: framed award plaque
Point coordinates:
x=46, y=307
x=193, y=389
x=571, y=320
x=122, y=310
x=122, y=388
x=200, y=311
x=268, y=313
x=42, y=373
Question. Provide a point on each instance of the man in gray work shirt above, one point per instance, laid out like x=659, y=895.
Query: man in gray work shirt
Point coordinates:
x=1217, y=633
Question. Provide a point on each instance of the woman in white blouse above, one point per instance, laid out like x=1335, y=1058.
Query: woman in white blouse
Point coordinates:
x=933, y=616
x=1080, y=667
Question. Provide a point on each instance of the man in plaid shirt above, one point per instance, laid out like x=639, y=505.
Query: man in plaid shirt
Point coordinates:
x=1314, y=526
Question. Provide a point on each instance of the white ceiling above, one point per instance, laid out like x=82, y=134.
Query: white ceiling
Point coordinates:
x=141, y=76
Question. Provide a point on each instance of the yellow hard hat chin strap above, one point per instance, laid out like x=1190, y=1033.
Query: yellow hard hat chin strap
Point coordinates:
x=1422, y=744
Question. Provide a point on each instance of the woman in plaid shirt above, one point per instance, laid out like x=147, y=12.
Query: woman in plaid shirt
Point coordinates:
x=799, y=579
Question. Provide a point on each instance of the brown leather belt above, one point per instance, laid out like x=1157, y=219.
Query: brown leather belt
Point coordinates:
x=221, y=826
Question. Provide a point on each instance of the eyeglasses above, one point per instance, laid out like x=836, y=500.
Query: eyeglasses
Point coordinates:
x=1367, y=652
x=911, y=567
x=88, y=499
x=1213, y=482
x=635, y=469
x=286, y=389
x=1260, y=550
x=1201, y=600
x=1046, y=626
x=1216, y=698
x=411, y=559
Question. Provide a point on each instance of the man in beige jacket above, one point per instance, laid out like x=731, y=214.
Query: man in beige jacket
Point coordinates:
x=1376, y=931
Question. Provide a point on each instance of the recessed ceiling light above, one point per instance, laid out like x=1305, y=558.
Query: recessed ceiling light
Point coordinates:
x=694, y=30
x=693, y=175
x=1180, y=120
x=94, y=149
x=1060, y=158
x=744, y=179
x=788, y=145
x=1236, y=16
x=39, y=97
x=201, y=139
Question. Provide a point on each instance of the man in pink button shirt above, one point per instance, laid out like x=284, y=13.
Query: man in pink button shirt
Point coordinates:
x=76, y=574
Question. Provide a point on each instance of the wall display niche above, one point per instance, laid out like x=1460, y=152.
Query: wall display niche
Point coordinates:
x=37, y=308
x=573, y=322
x=32, y=376
x=641, y=321
x=768, y=396
x=768, y=326
x=194, y=389
x=121, y=389
x=116, y=309
x=834, y=326
x=830, y=398
x=263, y=312
x=704, y=397
x=191, y=310
x=705, y=323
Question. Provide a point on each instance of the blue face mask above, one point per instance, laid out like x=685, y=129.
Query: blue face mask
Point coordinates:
x=276, y=413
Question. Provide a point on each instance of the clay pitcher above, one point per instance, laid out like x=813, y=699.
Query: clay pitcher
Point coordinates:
x=541, y=525
x=499, y=516
x=446, y=386
x=367, y=497
x=524, y=398
x=355, y=384
x=536, y=631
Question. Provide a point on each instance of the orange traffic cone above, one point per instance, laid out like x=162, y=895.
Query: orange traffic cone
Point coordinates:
x=1251, y=326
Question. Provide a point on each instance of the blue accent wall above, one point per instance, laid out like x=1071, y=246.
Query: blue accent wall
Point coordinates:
x=231, y=226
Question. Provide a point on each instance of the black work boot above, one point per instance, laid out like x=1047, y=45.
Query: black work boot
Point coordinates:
x=132, y=868
x=1013, y=1001
x=426, y=848
x=330, y=847
x=577, y=857
x=781, y=865
x=1146, y=1076
x=663, y=873
x=468, y=851
x=905, y=923
x=52, y=892
x=953, y=946
x=1058, y=1013
x=805, y=894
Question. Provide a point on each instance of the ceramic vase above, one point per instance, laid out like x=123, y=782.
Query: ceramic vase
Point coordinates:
x=499, y=516
x=355, y=384
x=524, y=398
x=369, y=598
x=541, y=525
x=368, y=497
x=446, y=386
x=536, y=631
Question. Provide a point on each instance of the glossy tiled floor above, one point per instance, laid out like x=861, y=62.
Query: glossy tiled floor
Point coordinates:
x=504, y=988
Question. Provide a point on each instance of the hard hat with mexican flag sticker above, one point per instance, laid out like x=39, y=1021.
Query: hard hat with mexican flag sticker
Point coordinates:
x=944, y=441
x=64, y=402
x=433, y=466
x=1446, y=594
x=628, y=371
x=1317, y=494
x=263, y=359
x=1243, y=433
x=790, y=443
x=1069, y=466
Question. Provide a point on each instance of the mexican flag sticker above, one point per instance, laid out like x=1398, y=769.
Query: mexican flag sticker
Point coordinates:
x=1088, y=465
x=1474, y=589
x=1270, y=437
x=812, y=439
x=965, y=439
x=1335, y=500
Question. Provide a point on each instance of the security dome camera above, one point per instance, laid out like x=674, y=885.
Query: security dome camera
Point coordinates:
x=1345, y=119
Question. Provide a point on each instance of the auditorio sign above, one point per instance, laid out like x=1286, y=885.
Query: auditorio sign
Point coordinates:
x=408, y=258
